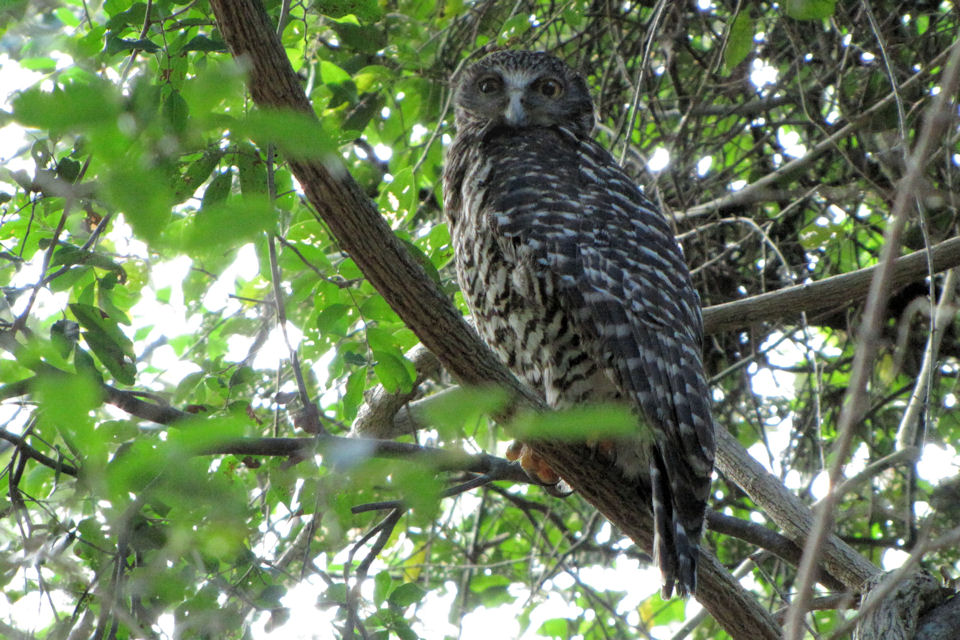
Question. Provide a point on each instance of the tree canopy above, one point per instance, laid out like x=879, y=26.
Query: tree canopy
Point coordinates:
x=237, y=398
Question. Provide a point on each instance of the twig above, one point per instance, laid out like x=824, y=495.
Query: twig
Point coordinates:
x=463, y=487
x=21, y=322
x=939, y=321
x=28, y=451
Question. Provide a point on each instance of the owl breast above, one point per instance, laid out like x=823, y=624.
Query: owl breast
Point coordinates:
x=513, y=297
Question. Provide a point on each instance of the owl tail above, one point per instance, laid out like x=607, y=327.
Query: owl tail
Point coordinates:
x=674, y=550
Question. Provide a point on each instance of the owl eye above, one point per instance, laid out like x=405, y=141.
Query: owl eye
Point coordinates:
x=550, y=88
x=490, y=84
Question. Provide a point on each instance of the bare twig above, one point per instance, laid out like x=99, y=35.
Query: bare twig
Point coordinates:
x=939, y=321
x=25, y=450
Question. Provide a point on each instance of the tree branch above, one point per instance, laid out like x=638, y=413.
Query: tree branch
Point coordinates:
x=827, y=294
x=940, y=113
x=30, y=452
x=827, y=144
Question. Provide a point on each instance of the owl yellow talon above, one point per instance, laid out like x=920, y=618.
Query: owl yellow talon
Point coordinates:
x=533, y=464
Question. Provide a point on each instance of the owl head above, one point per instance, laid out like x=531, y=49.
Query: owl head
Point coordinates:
x=522, y=89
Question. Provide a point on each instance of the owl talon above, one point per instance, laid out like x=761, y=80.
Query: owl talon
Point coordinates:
x=535, y=466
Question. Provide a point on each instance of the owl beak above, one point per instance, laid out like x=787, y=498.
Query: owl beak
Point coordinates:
x=515, y=114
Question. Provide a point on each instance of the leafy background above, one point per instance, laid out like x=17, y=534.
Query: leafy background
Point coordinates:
x=142, y=196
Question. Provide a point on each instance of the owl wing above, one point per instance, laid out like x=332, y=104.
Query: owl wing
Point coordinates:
x=565, y=208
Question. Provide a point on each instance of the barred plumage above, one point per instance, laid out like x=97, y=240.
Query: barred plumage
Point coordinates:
x=575, y=279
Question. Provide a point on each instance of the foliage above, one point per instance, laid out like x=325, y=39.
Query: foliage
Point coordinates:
x=143, y=202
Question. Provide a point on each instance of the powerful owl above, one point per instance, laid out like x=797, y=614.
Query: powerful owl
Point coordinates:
x=575, y=279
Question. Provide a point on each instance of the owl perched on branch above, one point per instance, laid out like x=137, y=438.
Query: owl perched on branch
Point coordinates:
x=575, y=279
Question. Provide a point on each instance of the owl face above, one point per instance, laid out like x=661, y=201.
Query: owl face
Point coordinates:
x=522, y=89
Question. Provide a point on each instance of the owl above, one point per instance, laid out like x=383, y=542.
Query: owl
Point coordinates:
x=575, y=279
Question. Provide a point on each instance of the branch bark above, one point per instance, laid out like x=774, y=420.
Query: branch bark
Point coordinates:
x=827, y=294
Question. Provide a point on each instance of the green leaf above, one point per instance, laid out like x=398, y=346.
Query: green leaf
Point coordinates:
x=296, y=135
x=252, y=169
x=66, y=399
x=144, y=196
x=406, y=594
x=227, y=225
x=356, y=383
x=72, y=107
x=393, y=372
x=201, y=432
x=515, y=26
x=63, y=335
x=555, y=628
x=423, y=260
x=107, y=341
x=739, y=42
x=340, y=84
x=578, y=423
x=218, y=190
x=197, y=173
x=68, y=169
x=334, y=319
x=809, y=9
x=382, y=583
x=448, y=412
x=367, y=39
x=204, y=43
x=132, y=16
x=116, y=45
x=482, y=582
x=401, y=194
x=335, y=594
x=364, y=10
x=39, y=64
x=176, y=112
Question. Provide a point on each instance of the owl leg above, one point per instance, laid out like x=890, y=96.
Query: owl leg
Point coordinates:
x=535, y=466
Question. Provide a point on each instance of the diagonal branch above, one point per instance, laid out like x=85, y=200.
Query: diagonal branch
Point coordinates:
x=364, y=234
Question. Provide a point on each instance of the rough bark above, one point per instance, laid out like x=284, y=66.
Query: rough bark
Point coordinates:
x=789, y=513
x=941, y=622
x=893, y=613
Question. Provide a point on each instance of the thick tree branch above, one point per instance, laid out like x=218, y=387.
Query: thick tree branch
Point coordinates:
x=389, y=267
x=828, y=294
